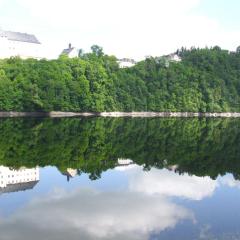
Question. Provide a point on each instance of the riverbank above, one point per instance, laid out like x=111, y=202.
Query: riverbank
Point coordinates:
x=56, y=114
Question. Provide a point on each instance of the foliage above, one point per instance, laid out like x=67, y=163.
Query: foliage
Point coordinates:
x=206, y=80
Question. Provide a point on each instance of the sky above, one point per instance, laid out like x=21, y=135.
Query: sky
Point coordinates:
x=125, y=28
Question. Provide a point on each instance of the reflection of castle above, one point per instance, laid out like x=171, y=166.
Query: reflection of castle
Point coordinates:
x=124, y=162
x=12, y=180
x=170, y=167
x=71, y=173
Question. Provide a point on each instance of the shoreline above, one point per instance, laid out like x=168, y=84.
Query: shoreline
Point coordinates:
x=58, y=114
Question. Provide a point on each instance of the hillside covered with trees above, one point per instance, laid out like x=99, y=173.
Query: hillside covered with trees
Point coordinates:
x=206, y=80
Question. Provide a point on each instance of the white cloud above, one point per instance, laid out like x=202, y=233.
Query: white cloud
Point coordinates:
x=168, y=183
x=125, y=28
x=88, y=214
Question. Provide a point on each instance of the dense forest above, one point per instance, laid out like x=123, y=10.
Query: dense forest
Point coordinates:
x=203, y=147
x=206, y=80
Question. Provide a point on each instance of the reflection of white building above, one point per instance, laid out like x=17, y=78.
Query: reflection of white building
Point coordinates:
x=13, y=44
x=71, y=173
x=124, y=162
x=126, y=62
x=172, y=167
x=12, y=180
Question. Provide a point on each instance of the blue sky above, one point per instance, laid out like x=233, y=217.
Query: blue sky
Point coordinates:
x=225, y=11
x=126, y=28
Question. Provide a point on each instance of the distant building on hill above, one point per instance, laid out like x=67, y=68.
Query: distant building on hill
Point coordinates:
x=167, y=59
x=126, y=62
x=16, y=44
x=71, y=52
x=173, y=57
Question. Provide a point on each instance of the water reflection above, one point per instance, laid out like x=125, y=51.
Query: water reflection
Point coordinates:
x=158, y=204
x=71, y=173
x=202, y=147
x=168, y=183
x=94, y=214
x=120, y=179
x=14, y=180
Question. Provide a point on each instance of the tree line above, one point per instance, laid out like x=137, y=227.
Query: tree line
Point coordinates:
x=206, y=80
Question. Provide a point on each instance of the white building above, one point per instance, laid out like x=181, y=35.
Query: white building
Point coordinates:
x=23, y=45
x=173, y=57
x=71, y=52
x=12, y=180
x=126, y=62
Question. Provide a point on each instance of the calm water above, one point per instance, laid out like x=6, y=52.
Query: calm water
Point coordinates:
x=119, y=179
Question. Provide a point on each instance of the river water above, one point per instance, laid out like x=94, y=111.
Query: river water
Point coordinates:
x=121, y=178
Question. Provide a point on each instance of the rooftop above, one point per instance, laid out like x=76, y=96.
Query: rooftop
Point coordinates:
x=21, y=37
x=68, y=50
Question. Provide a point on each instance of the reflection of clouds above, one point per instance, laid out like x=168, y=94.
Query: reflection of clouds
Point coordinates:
x=229, y=181
x=124, y=168
x=88, y=214
x=168, y=183
x=205, y=232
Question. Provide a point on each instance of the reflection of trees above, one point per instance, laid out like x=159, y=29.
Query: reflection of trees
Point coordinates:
x=93, y=145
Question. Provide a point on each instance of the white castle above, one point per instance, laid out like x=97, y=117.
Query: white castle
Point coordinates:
x=16, y=44
x=12, y=180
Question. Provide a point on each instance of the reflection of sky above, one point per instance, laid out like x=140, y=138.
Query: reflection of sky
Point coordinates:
x=123, y=204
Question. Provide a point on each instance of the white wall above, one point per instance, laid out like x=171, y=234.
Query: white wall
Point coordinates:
x=176, y=58
x=125, y=64
x=73, y=53
x=4, y=47
x=16, y=48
